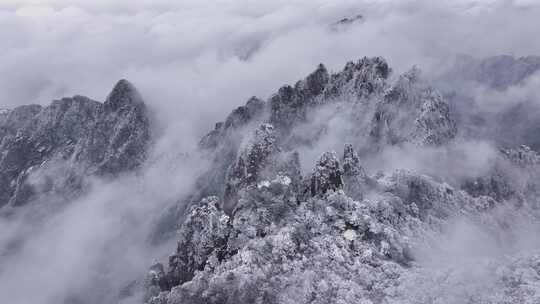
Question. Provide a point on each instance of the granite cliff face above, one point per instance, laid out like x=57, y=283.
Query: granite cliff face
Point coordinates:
x=49, y=151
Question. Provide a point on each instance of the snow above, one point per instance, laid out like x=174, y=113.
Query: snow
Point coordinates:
x=349, y=234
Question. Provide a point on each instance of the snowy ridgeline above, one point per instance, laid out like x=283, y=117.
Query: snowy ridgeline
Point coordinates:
x=265, y=226
x=359, y=186
x=46, y=152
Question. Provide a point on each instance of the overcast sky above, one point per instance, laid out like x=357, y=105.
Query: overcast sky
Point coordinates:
x=193, y=58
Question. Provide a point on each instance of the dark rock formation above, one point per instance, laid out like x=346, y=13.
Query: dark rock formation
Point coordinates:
x=327, y=175
x=355, y=178
x=346, y=22
x=49, y=150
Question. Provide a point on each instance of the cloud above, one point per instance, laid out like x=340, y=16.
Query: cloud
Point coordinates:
x=454, y=163
x=184, y=54
x=96, y=246
x=194, y=61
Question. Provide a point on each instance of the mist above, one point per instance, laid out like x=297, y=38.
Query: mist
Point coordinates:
x=195, y=61
x=220, y=53
x=96, y=246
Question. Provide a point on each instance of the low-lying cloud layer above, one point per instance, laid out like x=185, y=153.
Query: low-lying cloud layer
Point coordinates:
x=96, y=247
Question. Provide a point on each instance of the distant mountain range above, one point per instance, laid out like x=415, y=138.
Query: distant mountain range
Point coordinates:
x=269, y=223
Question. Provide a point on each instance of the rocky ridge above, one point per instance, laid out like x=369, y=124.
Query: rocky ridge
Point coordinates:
x=49, y=151
x=268, y=224
x=386, y=112
x=265, y=231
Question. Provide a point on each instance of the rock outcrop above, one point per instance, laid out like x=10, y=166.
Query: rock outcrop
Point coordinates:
x=50, y=150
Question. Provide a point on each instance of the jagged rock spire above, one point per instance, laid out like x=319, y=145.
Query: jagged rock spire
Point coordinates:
x=315, y=83
x=258, y=150
x=251, y=161
x=123, y=93
x=351, y=162
x=327, y=174
x=354, y=175
x=289, y=105
x=360, y=79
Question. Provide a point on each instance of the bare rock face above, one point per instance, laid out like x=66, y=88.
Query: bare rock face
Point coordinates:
x=49, y=150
